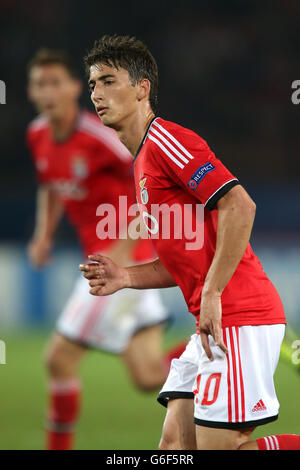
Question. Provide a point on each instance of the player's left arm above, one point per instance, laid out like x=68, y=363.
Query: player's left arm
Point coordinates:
x=197, y=170
x=106, y=277
x=236, y=212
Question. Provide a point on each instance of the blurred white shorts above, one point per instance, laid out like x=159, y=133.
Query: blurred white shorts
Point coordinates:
x=234, y=390
x=109, y=322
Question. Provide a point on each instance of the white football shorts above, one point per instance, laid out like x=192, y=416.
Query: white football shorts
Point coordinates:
x=108, y=322
x=234, y=390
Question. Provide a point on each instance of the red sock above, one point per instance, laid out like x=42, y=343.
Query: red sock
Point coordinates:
x=279, y=442
x=62, y=414
x=175, y=352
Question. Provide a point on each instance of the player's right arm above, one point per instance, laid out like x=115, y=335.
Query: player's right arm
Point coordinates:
x=48, y=214
x=105, y=277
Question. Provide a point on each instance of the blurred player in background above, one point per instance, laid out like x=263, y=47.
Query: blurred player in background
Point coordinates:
x=81, y=164
x=222, y=386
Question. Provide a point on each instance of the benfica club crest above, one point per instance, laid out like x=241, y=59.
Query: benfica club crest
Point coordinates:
x=144, y=192
x=79, y=167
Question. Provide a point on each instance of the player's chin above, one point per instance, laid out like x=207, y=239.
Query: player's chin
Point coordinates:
x=52, y=113
x=108, y=121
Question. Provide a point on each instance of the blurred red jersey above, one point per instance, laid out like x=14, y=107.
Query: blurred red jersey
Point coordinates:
x=90, y=168
x=175, y=167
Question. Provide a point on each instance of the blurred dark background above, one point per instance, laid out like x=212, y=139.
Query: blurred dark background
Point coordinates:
x=226, y=71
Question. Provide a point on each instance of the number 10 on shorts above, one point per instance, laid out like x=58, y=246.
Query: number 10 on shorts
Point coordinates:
x=211, y=389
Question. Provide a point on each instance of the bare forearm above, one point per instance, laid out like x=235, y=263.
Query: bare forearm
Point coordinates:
x=48, y=213
x=149, y=276
x=235, y=221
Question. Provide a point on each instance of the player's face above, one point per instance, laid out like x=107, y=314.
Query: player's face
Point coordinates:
x=113, y=95
x=52, y=90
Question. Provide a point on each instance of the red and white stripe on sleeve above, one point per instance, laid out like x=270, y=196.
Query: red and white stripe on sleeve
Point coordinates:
x=188, y=159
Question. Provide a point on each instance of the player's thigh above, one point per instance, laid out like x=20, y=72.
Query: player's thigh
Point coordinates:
x=63, y=355
x=179, y=429
x=145, y=346
x=144, y=353
x=221, y=439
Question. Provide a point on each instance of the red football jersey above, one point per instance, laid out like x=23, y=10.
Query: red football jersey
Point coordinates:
x=174, y=167
x=90, y=168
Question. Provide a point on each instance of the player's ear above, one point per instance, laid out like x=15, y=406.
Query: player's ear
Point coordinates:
x=143, y=89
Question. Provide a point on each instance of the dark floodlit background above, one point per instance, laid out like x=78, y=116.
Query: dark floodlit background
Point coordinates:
x=226, y=71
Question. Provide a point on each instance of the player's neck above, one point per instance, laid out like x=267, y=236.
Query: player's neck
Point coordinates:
x=62, y=127
x=132, y=132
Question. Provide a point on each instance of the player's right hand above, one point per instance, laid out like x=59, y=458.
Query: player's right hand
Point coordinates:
x=39, y=252
x=104, y=276
x=210, y=323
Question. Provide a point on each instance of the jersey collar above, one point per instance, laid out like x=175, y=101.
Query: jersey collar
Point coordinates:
x=144, y=138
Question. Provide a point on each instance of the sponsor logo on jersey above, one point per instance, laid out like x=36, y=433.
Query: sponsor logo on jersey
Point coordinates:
x=69, y=189
x=144, y=192
x=200, y=174
x=79, y=167
x=259, y=407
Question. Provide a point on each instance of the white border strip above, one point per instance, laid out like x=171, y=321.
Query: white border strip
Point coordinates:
x=184, y=150
x=178, y=163
x=233, y=179
x=171, y=147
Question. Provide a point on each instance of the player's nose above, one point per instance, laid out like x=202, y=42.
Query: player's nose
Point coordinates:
x=97, y=94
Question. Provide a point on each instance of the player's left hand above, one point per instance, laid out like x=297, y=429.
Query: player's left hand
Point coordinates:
x=210, y=322
x=104, y=276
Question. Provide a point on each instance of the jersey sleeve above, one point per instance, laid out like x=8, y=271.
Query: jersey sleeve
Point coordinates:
x=188, y=160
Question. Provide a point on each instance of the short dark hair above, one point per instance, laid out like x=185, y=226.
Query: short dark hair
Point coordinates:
x=46, y=56
x=129, y=53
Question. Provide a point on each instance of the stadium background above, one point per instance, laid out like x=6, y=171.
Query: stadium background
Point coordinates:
x=226, y=70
